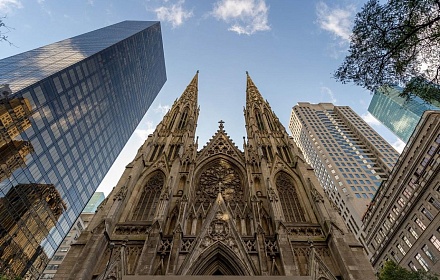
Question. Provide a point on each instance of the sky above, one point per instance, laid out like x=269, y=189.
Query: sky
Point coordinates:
x=290, y=48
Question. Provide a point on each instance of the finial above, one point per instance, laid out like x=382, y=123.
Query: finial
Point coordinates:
x=247, y=73
x=197, y=72
x=221, y=122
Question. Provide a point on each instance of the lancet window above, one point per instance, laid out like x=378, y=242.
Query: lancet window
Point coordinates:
x=267, y=152
x=269, y=121
x=173, y=119
x=293, y=211
x=173, y=151
x=286, y=153
x=149, y=199
x=157, y=151
x=183, y=118
x=259, y=120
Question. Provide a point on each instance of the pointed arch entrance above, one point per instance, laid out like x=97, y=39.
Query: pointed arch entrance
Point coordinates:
x=219, y=259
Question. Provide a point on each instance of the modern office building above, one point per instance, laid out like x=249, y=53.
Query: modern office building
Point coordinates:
x=403, y=221
x=399, y=114
x=94, y=202
x=68, y=111
x=350, y=159
x=80, y=224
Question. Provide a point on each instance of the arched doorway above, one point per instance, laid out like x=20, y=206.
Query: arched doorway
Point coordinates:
x=218, y=259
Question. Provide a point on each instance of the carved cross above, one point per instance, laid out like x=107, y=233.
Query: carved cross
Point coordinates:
x=221, y=122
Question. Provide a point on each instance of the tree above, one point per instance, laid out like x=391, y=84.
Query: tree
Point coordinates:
x=396, y=43
x=391, y=271
x=3, y=30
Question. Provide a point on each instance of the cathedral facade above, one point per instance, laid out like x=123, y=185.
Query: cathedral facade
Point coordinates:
x=182, y=211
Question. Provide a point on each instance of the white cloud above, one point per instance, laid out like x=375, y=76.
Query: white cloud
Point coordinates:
x=246, y=16
x=149, y=123
x=399, y=145
x=143, y=133
x=162, y=109
x=329, y=92
x=370, y=119
x=7, y=6
x=175, y=14
x=338, y=21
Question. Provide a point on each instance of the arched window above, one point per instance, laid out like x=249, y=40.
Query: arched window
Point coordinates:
x=149, y=199
x=183, y=118
x=259, y=120
x=173, y=119
x=293, y=212
x=269, y=121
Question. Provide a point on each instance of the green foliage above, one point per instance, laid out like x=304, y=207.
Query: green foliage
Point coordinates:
x=391, y=271
x=396, y=43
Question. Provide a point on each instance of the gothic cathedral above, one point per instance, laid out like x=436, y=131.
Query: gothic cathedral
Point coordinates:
x=216, y=211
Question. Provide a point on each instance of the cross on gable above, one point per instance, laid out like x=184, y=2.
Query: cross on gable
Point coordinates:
x=221, y=122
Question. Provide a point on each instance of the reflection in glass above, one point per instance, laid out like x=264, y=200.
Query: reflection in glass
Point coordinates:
x=27, y=213
x=72, y=107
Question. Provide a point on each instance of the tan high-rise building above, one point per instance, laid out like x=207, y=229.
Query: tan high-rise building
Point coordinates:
x=182, y=211
x=349, y=158
x=403, y=222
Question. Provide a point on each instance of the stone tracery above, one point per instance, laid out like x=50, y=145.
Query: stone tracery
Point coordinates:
x=293, y=211
x=146, y=206
x=222, y=177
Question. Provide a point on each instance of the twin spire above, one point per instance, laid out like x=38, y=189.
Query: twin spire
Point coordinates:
x=252, y=92
x=190, y=95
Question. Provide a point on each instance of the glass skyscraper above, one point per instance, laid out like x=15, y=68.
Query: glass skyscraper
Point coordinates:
x=65, y=115
x=399, y=114
x=94, y=202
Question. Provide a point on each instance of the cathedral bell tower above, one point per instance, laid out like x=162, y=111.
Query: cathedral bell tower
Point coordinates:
x=217, y=211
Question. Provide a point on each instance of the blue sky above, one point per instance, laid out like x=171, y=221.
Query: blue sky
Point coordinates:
x=290, y=48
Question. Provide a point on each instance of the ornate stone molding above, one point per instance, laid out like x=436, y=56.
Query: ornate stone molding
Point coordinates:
x=305, y=231
x=131, y=229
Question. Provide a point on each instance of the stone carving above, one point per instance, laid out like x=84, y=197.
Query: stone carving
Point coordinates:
x=165, y=245
x=317, y=197
x=251, y=245
x=186, y=244
x=271, y=246
x=131, y=229
x=272, y=195
x=218, y=229
x=120, y=195
x=305, y=231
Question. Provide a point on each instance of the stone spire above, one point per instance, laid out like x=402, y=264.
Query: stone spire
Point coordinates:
x=252, y=93
x=183, y=115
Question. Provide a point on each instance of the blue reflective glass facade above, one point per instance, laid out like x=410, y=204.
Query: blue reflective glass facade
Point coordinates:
x=399, y=114
x=74, y=105
x=94, y=202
